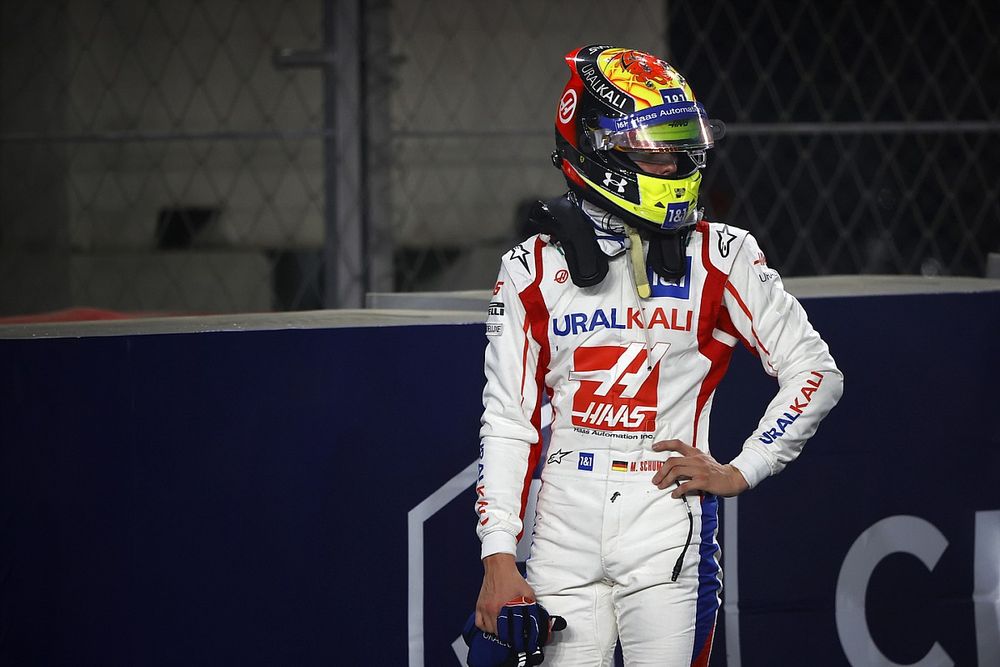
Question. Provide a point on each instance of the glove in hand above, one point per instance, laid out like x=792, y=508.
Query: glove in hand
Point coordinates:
x=523, y=628
x=519, y=624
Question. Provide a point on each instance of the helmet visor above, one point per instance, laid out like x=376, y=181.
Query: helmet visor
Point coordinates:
x=678, y=126
x=672, y=165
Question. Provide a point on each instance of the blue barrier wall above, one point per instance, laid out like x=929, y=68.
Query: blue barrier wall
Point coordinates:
x=230, y=498
x=258, y=497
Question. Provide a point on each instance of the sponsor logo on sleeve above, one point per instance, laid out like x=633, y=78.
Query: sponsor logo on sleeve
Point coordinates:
x=496, y=288
x=496, y=310
x=481, y=502
x=764, y=272
x=795, y=410
x=562, y=275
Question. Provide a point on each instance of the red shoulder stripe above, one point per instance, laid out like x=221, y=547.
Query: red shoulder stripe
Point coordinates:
x=708, y=315
x=746, y=311
x=537, y=319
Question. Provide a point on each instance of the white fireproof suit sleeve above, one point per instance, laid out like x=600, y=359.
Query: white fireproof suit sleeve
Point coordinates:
x=809, y=384
x=508, y=434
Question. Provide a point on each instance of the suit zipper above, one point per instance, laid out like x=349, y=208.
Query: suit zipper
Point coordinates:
x=633, y=240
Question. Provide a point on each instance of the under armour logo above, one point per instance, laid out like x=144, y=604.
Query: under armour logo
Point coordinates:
x=609, y=181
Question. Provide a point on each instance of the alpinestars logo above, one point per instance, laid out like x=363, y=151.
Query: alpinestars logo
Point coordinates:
x=610, y=181
x=618, y=385
x=520, y=253
x=726, y=237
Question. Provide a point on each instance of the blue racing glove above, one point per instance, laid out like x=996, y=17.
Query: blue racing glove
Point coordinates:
x=519, y=624
x=485, y=650
x=523, y=628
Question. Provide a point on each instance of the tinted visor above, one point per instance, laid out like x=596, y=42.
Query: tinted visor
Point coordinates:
x=672, y=127
x=661, y=163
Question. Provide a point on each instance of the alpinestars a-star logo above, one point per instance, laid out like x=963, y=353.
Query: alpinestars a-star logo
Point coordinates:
x=618, y=385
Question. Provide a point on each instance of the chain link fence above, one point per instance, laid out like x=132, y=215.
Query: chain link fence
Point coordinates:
x=864, y=136
x=473, y=120
x=170, y=156
x=153, y=157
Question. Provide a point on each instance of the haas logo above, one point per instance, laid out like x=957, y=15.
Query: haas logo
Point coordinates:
x=567, y=106
x=617, y=389
x=610, y=181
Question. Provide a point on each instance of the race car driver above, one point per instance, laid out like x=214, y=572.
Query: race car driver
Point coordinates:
x=624, y=314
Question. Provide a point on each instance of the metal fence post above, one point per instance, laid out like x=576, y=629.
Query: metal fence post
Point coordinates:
x=344, y=250
x=331, y=237
x=344, y=255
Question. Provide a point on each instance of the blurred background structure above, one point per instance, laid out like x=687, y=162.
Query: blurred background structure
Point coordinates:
x=205, y=156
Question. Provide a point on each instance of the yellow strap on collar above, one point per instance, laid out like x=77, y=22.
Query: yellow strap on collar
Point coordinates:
x=638, y=263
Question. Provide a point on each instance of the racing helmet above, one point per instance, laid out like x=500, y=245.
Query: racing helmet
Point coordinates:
x=620, y=105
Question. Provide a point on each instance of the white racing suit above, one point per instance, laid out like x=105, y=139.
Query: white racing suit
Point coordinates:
x=612, y=553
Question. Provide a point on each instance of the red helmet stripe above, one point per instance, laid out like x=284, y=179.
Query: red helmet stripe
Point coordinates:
x=569, y=101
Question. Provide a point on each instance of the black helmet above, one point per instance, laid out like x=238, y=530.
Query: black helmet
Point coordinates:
x=621, y=107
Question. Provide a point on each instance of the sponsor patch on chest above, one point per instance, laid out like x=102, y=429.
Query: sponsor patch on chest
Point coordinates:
x=571, y=324
x=677, y=289
x=617, y=388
